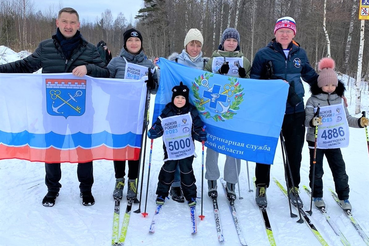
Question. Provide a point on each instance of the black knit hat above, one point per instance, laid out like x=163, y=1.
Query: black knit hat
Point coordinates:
x=180, y=90
x=131, y=33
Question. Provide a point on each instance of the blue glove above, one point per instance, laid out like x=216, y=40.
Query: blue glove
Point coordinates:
x=155, y=131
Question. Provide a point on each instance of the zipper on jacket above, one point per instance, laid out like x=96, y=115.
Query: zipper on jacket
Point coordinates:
x=328, y=99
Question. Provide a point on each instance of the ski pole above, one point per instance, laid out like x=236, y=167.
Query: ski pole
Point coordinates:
x=142, y=173
x=148, y=178
x=288, y=172
x=314, y=162
x=202, y=216
x=238, y=179
x=248, y=176
x=366, y=132
x=143, y=150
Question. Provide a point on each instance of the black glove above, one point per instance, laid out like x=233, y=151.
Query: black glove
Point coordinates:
x=267, y=72
x=293, y=98
x=241, y=72
x=202, y=136
x=150, y=81
x=224, y=68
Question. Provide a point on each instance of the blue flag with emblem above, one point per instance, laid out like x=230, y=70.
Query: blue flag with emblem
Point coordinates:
x=243, y=117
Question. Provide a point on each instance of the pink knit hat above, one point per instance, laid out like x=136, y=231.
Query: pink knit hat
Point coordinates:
x=285, y=22
x=327, y=75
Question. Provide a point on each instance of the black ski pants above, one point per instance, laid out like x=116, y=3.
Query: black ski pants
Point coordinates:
x=120, y=169
x=338, y=169
x=188, y=180
x=84, y=174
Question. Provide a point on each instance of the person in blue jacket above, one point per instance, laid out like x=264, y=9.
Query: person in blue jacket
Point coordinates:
x=283, y=58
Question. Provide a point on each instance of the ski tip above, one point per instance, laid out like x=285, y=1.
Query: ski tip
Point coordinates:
x=144, y=214
x=220, y=238
x=202, y=217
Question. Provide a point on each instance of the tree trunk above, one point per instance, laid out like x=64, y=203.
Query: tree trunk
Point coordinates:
x=253, y=11
x=237, y=13
x=325, y=29
x=359, y=67
x=349, y=37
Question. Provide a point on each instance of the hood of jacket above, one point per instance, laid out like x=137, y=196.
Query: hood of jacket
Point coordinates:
x=133, y=58
x=315, y=90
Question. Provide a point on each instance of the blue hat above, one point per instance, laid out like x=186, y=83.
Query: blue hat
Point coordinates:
x=230, y=33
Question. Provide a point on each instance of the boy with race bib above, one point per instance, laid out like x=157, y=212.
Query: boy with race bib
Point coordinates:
x=179, y=124
x=333, y=133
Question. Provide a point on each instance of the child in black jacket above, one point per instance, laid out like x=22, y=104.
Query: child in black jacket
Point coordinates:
x=179, y=123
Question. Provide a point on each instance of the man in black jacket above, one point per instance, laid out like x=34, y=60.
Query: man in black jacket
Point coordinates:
x=66, y=52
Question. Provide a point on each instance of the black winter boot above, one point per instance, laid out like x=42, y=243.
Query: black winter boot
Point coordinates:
x=177, y=194
x=49, y=199
x=87, y=198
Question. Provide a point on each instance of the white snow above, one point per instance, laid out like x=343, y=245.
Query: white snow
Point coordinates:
x=24, y=221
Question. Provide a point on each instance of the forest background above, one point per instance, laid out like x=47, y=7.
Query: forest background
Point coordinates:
x=164, y=24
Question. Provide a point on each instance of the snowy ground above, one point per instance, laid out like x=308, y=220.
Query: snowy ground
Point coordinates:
x=24, y=221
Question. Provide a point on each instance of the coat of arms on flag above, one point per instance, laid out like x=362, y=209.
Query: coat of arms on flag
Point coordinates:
x=66, y=97
x=223, y=100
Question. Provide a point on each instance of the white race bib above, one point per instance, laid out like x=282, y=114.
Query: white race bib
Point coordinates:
x=134, y=71
x=334, y=131
x=177, y=136
x=233, y=62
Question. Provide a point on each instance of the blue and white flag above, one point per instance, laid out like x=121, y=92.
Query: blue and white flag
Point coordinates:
x=243, y=117
x=63, y=118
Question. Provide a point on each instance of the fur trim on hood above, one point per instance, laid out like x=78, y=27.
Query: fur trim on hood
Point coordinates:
x=315, y=90
x=173, y=56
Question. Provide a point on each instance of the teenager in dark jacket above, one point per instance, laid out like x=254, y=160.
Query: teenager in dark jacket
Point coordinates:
x=327, y=94
x=179, y=148
x=65, y=52
x=284, y=59
x=132, y=53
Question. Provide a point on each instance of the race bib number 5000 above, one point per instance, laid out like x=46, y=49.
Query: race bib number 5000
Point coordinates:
x=177, y=136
